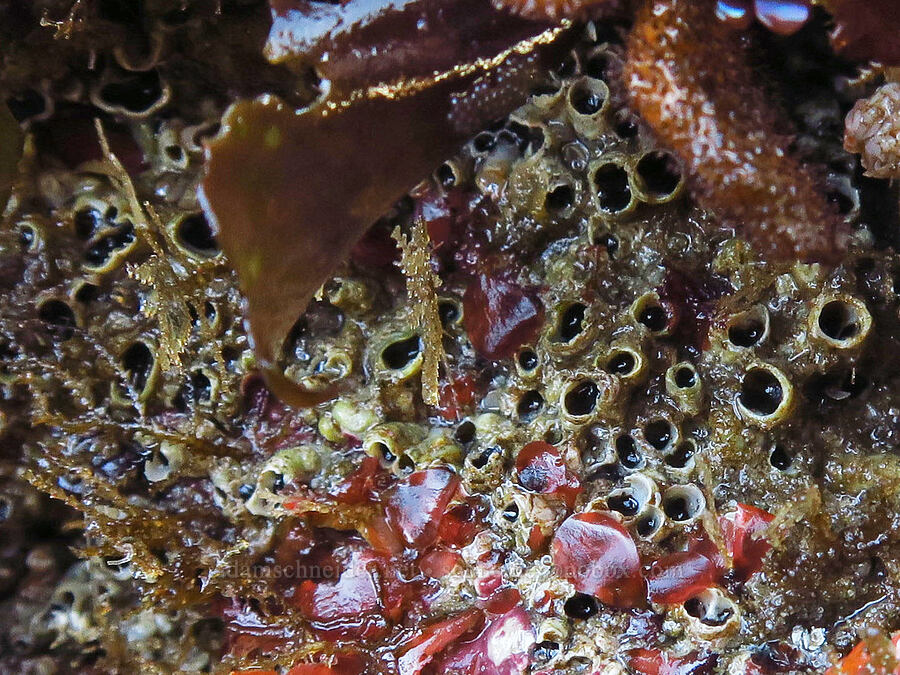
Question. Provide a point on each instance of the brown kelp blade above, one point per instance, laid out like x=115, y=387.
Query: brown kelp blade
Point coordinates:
x=359, y=43
x=289, y=193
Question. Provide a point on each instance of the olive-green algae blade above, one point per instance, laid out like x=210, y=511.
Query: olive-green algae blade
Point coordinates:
x=11, y=141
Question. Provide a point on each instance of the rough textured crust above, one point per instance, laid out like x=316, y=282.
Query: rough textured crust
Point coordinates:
x=689, y=79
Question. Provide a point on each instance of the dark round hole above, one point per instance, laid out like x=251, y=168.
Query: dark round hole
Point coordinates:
x=681, y=455
x=582, y=398
x=448, y=313
x=546, y=650
x=511, y=512
x=659, y=172
x=87, y=293
x=137, y=94
x=245, y=491
x=525, y=137
x=611, y=182
x=195, y=232
x=445, y=175
x=86, y=221
x=570, y=323
x=647, y=525
x=480, y=460
x=138, y=363
x=695, y=607
x=530, y=404
x=465, y=432
x=405, y=465
x=780, y=458
x=484, y=142
x=398, y=355
x=746, y=332
x=230, y=354
x=174, y=153
x=838, y=320
x=621, y=363
x=609, y=472
x=627, y=452
x=761, y=392
x=528, y=359
x=201, y=387
x=659, y=434
x=210, y=312
x=596, y=66
x=624, y=503
x=27, y=237
x=654, y=318
x=580, y=606
x=101, y=251
x=586, y=100
x=559, y=198
x=25, y=104
x=678, y=508
x=685, y=377
x=385, y=453
x=626, y=125
x=610, y=243
x=844, y=202
x=58, y=319
x=277, y=483
x=698, y=609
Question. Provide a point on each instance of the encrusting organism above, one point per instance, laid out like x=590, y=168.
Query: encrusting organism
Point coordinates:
x=690, y=80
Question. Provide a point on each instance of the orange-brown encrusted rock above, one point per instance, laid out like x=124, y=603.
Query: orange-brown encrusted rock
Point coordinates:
x=689, y=79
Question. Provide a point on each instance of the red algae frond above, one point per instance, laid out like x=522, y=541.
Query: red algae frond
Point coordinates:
x=690, y=80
